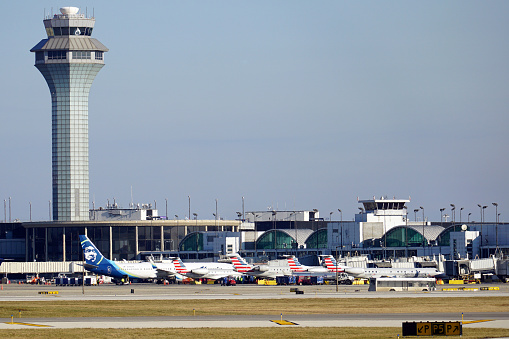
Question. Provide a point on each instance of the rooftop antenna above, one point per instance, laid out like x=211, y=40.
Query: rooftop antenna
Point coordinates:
x=132, y=204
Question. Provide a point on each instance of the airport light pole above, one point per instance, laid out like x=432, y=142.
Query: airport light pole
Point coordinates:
x=441, y=215
x=166, y=208
x=415, y=214
x=480, y=211
x=461, y=209
x=496, y=226
x=337, y=258
x=469, y=217
x=189, y=198
x=484, y=220
x=453, y=214
x=341, y=225
x=423, y=238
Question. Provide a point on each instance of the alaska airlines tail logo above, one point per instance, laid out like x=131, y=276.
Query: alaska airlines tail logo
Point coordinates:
x=90, y=252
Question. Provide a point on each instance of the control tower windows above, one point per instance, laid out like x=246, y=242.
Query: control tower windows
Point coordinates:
x=81, y=54
x=57, y=55
x=98, y=55
x=59, y=31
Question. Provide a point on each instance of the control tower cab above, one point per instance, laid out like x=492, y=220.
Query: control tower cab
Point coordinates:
x=388, y=211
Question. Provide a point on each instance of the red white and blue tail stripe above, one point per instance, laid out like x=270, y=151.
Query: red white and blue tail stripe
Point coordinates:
x=295, y=265
x=239, y=263
x=331, y=264
x=179, y=266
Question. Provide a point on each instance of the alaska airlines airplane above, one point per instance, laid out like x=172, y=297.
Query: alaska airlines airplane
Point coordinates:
x=358, y=272
x=95, y=262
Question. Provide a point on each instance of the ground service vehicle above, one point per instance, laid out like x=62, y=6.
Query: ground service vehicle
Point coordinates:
x=402, y=284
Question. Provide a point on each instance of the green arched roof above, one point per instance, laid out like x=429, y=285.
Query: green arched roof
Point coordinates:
x=411, y=235
x=192, y=242
x=282, y=239
x=317, y=239
x=444, y=238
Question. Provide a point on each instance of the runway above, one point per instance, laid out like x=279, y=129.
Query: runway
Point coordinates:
x=493, y=320
x=183, y=292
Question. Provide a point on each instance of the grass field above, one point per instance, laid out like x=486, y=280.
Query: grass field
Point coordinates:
x=252, y=333
x=108, y=308
x=133, y=308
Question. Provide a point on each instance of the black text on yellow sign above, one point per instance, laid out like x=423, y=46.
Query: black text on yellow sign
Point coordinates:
x=432, y=328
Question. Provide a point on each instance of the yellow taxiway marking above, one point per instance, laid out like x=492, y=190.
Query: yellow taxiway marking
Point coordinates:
x=27, y=324
x=476, y=321
x=283, y=322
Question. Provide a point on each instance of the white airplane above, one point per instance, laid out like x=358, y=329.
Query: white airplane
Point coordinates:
x=121, y=270
x=331, y=264
x=204, y=270
x=267, y=270
x=358, y=272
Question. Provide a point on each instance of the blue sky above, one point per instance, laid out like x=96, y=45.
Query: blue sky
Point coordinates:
x=289, y=104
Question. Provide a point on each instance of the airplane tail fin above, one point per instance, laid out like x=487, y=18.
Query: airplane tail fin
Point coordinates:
x=239, y=263
x=294, y=264
x=180, y=267
x=93, y=257
x=331, y=264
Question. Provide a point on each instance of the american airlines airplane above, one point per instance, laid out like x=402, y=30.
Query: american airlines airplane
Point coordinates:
x=95, y=262
x=358, y=272
x=259, y=271
x=331, y=264
x=204, y=270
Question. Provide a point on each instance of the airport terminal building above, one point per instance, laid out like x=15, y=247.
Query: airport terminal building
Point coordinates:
x=381, y=230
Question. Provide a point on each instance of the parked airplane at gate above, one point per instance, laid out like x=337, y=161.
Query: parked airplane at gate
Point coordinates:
x=239, y=263
x=95, y=262
x=266, y=271
x=331, y=264
x=205, y=270
x=358, y=272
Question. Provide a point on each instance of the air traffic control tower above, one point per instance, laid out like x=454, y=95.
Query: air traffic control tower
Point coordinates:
x=69, y=59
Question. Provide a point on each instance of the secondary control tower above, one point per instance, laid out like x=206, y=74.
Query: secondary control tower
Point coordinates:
x=69, y=59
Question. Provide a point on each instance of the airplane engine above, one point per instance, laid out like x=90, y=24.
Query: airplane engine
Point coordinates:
x=200, y=271
x=263, y=268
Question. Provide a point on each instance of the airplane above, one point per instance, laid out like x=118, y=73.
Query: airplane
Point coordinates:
x=358, y=272
x=298, y=267
x=331, y=264
x=204, y=270
x=264, y=270
x=95, y=262
x=240, y=264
